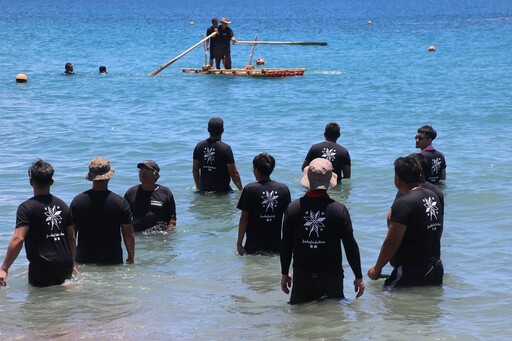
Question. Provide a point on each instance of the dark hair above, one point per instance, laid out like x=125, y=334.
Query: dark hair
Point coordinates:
x=264, y=163
x=429, y=131
x=67, y=65
x=332, y=130
x=103, y=69
x=422, y=160
x=408, y=169
x=215, y=20
x=41, y=173
x=216, y=126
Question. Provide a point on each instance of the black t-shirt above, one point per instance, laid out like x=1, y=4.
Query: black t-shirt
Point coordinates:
x=213, y=157
x=46, y=243
x=209, y=31
x=436, y=163
x=265, y=202
x=224, y=36
x=98, y=216
x=420, y=211
x=337, y=154
x=312, y=229
x=150, y=207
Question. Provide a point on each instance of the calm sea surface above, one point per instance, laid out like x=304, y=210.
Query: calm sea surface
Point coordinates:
x=378, y=81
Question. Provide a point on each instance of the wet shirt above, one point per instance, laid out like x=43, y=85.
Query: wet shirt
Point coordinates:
x=265, y=201
x=149, y=208
x=436, y=163
x=312, y=230
x=98, y=216
x=337, y=154
x=46, y=244
x=421, y=212
x=213, y=156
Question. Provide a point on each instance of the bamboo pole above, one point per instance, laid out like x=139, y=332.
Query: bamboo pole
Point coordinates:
x=281, y=42
x=156, y=71
x=252, y=51
x=205, y=51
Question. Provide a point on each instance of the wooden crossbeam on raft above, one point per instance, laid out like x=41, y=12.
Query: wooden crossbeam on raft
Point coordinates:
x=317, y=43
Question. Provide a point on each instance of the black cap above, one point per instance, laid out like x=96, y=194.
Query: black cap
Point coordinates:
x=149, y=164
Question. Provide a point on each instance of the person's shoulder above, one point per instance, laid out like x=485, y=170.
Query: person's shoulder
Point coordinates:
x=335, y=204
x=59, y=201
x=280, y=185
x=432, y=187
x=133, y=189
x=162, y=188
x=81, y=196
x=336, y=145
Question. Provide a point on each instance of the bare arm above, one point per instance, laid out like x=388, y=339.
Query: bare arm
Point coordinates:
x=71, y=237
x=129, y=241
x=235, y=176
x=195, y=173
x=391, y=243
x=242, y=228
x=13, y=250
x=443, y=174
x=346, y=172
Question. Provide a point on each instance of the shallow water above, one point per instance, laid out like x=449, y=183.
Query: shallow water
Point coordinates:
x=378, y=81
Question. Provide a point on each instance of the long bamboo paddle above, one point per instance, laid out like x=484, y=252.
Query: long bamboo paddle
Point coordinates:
x=156, y=71
x=281, y=42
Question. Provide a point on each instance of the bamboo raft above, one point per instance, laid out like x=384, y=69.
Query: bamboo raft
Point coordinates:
x=248, y=72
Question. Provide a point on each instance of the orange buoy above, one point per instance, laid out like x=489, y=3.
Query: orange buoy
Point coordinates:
x=21, y=78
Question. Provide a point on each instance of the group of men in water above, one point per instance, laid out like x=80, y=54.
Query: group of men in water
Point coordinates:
x=307, y=232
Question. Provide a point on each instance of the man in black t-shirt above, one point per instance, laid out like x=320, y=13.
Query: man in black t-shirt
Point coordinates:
x=223, y=44
x=151, y=204
x=210, y=45
x=44, y=223
x=436, y=163
x=100, y=217
x=262, y=204
x=313, y=227
x=330, y=150
x=213, y=162
x=413, y=241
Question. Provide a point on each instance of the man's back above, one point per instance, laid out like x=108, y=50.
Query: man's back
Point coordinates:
x=98, y=216
x=420, y=211
x=317, y=225
x=213, y=157
x=436, y=163
x=46, y=244
x=265, y=201
x=332, y=151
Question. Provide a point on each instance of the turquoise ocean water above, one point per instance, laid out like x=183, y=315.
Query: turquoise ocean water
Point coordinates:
x=378, y=81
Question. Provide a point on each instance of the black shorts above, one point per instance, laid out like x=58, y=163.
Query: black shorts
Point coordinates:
x=48, y=275
x=311, y=286
x=413, y=275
